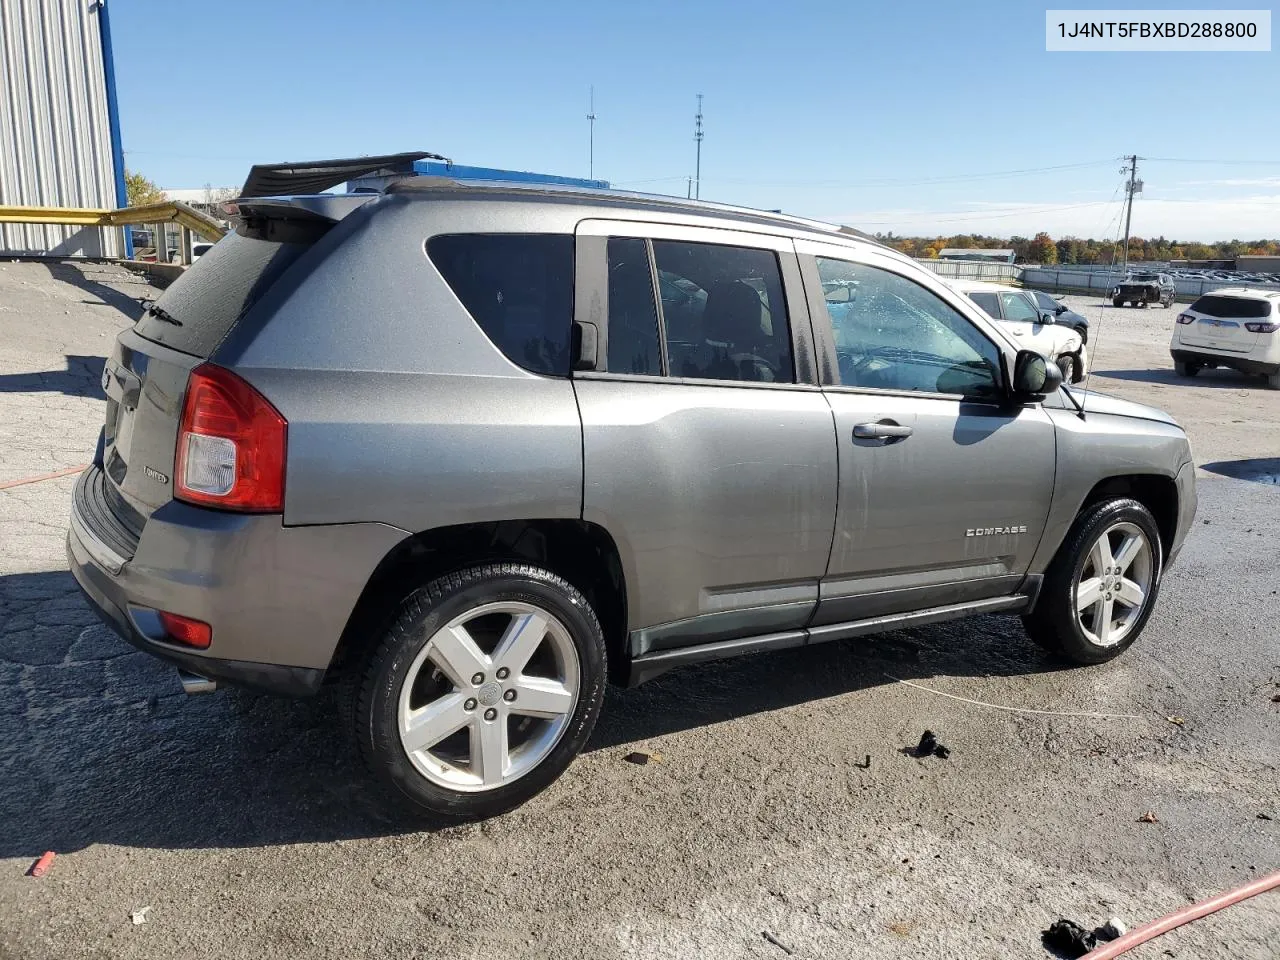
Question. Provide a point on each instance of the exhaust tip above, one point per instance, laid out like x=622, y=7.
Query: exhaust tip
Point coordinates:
x=193, y=683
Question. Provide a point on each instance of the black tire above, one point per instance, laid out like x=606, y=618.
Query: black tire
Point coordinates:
x=1054, y=623
x=421, y=614
x=1185, y=368
x=1117, y=302
x=1068, y=363
x=1273, y=381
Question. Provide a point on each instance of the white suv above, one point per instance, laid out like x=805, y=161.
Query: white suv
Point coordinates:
x=1231, y=327
x=1034, y=328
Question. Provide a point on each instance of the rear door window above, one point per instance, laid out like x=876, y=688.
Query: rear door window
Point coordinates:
x=1234, y=308
x=988, y=302
x=724, y=311
x=201, y=307
x=518, y=288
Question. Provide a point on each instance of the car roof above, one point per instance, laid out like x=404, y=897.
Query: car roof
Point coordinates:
x=333, y=206
x=500, y=190
x=1243, y=293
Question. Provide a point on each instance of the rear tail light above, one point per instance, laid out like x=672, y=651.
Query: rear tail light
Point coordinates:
x=1262, y=327
x=1186, y=318
x=231, y=445
x=186, y=631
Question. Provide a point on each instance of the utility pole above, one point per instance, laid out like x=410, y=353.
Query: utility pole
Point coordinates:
x=1132, y=187
x=697, y=139
x=591, y=137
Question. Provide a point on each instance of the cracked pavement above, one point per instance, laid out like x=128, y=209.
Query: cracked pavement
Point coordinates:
x=245, y=823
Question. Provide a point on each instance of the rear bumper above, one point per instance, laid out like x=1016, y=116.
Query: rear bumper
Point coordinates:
x=277, y=597
x=1209, y=358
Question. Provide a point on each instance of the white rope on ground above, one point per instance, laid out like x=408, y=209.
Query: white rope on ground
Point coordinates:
x=997, y=706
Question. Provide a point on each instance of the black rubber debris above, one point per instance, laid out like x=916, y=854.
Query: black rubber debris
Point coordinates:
x=1068, y=939
x=636, y=757
x=930, y=747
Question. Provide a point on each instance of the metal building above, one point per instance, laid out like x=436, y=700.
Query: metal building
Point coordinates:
x=59, y=126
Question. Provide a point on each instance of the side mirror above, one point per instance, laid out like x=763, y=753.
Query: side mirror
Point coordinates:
x=1034, y=376
x=1046, y=316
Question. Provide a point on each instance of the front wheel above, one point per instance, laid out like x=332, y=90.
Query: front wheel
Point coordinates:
x=1067, y=363
x=1101, y=586
x=483, y=691
x=1117, y=302
x=1185, y=368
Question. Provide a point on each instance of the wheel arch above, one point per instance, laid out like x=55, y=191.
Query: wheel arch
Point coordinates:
x=583, y=553
x=1156, y=492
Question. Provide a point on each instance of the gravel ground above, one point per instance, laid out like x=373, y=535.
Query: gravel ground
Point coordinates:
x=245, y=825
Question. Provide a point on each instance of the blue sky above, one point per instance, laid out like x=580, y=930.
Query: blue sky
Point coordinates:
x=887, y=116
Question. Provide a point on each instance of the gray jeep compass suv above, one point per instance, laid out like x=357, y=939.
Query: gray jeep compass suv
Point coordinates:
x=470, y=451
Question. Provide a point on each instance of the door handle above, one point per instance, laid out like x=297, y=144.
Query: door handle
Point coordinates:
x=885, y=430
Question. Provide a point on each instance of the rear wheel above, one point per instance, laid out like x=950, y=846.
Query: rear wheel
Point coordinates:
x=1117, y=302
x=1185, y=368
x=483, y=691
x=1101, y=586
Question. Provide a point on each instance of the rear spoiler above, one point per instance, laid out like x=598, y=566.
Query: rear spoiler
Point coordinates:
x=317, y=176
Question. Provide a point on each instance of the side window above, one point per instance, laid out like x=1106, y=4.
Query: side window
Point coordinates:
x=988, y=302
x=633, y=315
x=893, y=334
x=518, y=288
x=724, y=311
x=1017, y=307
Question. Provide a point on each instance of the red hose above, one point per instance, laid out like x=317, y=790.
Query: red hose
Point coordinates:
x=1176, y=919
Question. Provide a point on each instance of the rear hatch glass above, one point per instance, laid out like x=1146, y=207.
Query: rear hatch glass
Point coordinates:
x=199, y=309
x=145, y=377
x=1220, y=323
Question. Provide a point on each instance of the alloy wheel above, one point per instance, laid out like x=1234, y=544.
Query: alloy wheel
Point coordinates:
x=489, y=696
x=1114, y=584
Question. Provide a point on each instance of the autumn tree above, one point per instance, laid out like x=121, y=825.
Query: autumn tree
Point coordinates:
x=1042, y=249
x=140, y=190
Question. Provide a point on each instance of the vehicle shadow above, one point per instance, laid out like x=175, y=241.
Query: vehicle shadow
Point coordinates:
x=81, y=378
x=99, y=745
x=80, y=275
x=1217, y=378
x=1258, y=469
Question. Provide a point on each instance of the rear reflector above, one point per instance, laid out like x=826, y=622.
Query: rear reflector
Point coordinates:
x=1262, y=327
x=1186, y=318
x=231, y=445
x=184, y=630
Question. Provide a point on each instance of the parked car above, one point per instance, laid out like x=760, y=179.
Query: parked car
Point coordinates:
x=1232, y=327
x=198, y=249
x=1141, y=289
x=1035, y=327
x=527, y=479
x=1062, y=314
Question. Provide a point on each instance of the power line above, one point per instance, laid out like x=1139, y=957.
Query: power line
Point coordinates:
x=1214, y=163
x=926, y=218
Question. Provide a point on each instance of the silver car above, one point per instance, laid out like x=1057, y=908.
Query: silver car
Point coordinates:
x=470, y=452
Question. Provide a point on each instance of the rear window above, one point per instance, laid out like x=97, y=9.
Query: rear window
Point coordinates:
x=518, y=288
x=1236, y=308
x=988, y=302
x=199, y=308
